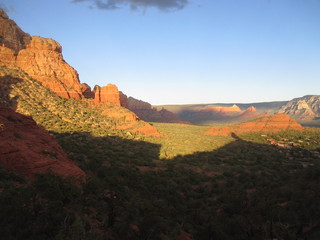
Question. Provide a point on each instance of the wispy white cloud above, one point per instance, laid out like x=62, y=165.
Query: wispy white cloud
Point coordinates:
x=163, y=5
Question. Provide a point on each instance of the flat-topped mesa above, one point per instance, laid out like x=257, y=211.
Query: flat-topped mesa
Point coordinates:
x=40, y=57
x=107, y=94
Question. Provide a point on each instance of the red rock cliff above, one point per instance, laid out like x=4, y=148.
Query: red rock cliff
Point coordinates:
x=40, y=57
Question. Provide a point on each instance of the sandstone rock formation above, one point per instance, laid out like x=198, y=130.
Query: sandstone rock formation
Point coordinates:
x=303, y=109
x=107, y=94
x=28, y=149
x=267, y=124
x=40, y=57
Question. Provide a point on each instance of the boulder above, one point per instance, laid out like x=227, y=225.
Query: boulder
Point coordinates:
x=27, y=149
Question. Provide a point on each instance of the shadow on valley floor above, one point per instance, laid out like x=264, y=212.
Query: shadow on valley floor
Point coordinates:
x=243, y=190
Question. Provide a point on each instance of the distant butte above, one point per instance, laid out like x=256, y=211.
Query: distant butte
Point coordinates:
x=266, y=124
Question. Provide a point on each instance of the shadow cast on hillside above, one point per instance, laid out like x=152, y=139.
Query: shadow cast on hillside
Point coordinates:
x=6, y=85
x=243, y=190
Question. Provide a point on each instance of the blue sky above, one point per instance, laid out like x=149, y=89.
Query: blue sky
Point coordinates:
x=185, y=51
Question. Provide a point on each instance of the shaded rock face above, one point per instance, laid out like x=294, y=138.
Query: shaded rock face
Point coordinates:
x=145, y=112
x=107, y=94
x=123, y=100
x=27, y=149
x=267, y=124
x=11, y=35
x=303, y=109
x=135, y=104
x=40, y=57
x=86, y=91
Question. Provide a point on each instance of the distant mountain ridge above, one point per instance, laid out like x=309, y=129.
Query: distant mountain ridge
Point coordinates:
x=305, y=108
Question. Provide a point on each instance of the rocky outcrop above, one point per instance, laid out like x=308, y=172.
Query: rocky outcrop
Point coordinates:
x=40, y=57
x=135, y=104
x=267, y=124
x=303, y=109
x=28, y=149
x=107, y=94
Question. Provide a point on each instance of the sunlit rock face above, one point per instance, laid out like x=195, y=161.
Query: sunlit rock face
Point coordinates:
x=107, y=94
x=40, y=57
